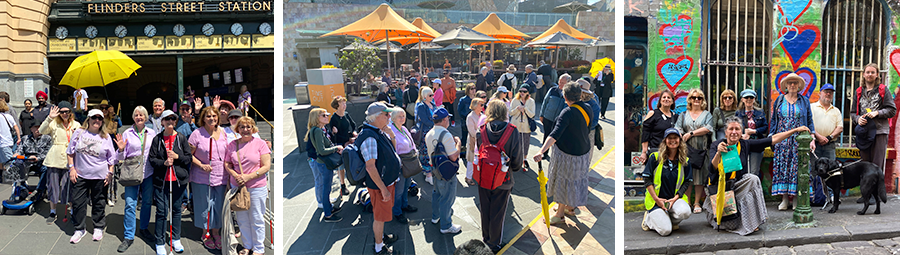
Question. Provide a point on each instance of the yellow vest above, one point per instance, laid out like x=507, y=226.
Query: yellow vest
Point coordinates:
x=657, y=180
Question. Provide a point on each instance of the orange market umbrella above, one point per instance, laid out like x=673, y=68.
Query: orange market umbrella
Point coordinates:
x=420, y=23
x=493, y=26
x=383, y=23
x=562, y=26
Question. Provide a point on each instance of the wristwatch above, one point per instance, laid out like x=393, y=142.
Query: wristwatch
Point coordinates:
x=829, y=138
x=692, y=133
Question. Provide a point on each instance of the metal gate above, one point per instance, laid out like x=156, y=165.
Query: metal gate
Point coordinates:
x=737, y=52
x=854, y=34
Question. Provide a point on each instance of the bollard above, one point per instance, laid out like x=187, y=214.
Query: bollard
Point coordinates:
x=803, y=212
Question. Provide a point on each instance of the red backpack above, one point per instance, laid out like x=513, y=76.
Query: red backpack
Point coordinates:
x=489, y=171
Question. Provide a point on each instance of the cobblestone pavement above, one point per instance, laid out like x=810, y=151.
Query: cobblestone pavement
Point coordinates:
x=874, y=247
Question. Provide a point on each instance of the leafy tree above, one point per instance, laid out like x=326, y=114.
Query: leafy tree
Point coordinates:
x=361, y=62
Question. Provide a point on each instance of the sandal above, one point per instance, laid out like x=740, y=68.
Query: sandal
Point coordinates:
x=244, y=252
x=218, y=242
x=555, y=220
x=697, y=209
x=209, y=243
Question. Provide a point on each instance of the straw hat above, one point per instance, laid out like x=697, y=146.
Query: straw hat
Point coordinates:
x=792, y=76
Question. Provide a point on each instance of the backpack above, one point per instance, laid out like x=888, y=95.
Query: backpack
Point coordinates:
x=490, y=171
x=446, y=168
x=859, y=91
x=507, y=81
x=354, y=164
x=363, y=199
x=555, y=104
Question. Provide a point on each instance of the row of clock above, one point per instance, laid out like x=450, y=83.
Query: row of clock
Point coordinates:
x=150, y=30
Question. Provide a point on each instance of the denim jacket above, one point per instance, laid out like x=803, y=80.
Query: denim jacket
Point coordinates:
x=805, y=117
x=759, y=117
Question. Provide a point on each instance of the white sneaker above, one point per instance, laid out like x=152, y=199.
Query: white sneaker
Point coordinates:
x=111, y=203
x=320, y=206
x=644, y=222
x=429, y=180
x=160, y=249
x=435, y=221
x=176, y=245
x=98, y=234
x=77, y=236
x=452, y=230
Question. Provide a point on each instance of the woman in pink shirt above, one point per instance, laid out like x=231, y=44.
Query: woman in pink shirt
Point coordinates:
x=473, y=124
x=91, y=158
x=247, y=160
x=208, y=176
x=406, y=149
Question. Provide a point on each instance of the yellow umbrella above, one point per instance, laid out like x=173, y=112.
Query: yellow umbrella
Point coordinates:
x=545, y=208
x=99, y=68
x=598, y=65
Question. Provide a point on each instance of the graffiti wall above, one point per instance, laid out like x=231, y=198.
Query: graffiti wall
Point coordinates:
x=674, y=51
x=796, y=48
x=894, y=47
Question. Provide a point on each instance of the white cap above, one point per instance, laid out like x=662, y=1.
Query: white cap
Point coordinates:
x=438, y=81
x=93, y=112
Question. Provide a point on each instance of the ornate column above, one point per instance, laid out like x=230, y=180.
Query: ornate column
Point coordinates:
x=803, y=212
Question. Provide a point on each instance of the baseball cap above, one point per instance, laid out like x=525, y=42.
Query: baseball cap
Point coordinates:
x=166, y=113
x=441, y=113
x=377, y=107
x=748, y=92
x=185, y=102
x=93, y=112
x=502, y=89
x=672, y=131
x=827, y=86
x=235, y=112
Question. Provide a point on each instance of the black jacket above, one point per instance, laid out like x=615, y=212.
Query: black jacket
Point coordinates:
x=158, y=158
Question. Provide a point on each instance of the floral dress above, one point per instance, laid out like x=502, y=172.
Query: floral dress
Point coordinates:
x=784, y=169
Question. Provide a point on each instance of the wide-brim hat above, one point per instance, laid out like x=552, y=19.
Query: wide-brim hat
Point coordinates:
x=792, y=76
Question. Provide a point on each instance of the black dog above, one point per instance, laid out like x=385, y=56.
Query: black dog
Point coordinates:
x=866, y=175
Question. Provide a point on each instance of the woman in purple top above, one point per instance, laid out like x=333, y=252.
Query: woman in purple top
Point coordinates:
x=135, y=142
x=91, y=158
x=406, y=148
x=208, y=177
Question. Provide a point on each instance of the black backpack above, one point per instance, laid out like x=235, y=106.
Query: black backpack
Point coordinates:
x=508, y=83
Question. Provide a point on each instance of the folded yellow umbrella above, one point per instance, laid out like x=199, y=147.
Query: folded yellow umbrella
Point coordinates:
x=99, y=68
x=545, y=208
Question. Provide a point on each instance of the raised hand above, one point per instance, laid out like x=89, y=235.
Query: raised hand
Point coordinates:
x=120, y=142
x=198, y=104
x=215, y=102
x=54, y=111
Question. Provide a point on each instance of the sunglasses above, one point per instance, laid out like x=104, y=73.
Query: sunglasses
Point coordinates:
x=729, y=98
x=64, y=112
x=750, y=97
x=523, y=91
x=185, y=109
x=170, y=118
x=104, y=107
x=236, y=117
x=323, y=115
x=97, y=117
x=696, y=98
x=430, y=95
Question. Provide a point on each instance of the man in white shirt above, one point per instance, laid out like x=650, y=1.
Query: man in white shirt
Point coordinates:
x=155, y=119
x=444, y=194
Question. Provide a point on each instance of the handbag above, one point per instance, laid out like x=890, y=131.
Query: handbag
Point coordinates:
x=241, y=200
x=132, y=170
x=409, y=164
x=532, y=125
x=731, y=160
x=332, y=161
x=730, y=206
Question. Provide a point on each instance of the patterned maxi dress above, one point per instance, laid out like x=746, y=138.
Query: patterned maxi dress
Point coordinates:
x=784, y=168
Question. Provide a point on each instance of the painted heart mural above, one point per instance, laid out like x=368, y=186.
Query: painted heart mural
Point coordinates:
x=673, y=71
x=680, y=102
x=676, y=34
x=895, y=60
x=799, y=44
x=791, y=10
x=807, y=74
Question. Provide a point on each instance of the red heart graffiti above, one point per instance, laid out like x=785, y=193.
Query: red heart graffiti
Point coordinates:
x=673, y=71
x=798, y=45
x=895, y=60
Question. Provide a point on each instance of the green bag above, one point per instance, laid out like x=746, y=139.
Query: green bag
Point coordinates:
x=731, y=160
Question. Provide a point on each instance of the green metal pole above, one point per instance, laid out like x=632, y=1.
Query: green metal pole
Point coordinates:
x=803, y=212
x=180, y=67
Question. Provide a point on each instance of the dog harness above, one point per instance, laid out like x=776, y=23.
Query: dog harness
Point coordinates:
x=839, y=171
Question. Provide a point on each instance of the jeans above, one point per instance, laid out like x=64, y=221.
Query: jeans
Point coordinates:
x=42, y=183
x=145, y=190
x=442, y=199
x=323, y=185
x=312, y=166
x=85, y=189
x=401, y=199
x=252, y=223
x=162, y=194
x=755, y=163
x=5, y=153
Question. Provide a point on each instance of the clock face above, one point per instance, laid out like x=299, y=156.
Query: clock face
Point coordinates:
x=91, y=31
x=208, y=29
x=237, y=29
x=178, y=29
x=121, y=31
x=150, y=30
x=62, y=32
x=265, y=28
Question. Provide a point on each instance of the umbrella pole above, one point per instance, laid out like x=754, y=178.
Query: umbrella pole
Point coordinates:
x=387, y=39
x=492, y=53
x=102, y=81
x=421, y=59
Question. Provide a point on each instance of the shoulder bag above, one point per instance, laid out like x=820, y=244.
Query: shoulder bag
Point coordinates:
x=241, y=199
x=132, y=172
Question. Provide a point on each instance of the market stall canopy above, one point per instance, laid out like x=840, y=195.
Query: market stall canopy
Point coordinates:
x=463, y=35
x=381, y=23
x=601, y=42
x=420, y=23
x=456, y=47
x=506, y=41
x=562, y=26
x=407, y=40
x=99, y=68
x=426, y=46
x=493, y=26
x=436, y=5
x=557, y=39
x=572, y=7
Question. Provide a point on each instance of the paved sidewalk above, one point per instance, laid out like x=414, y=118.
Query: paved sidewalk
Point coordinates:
x=591, y=232
x=696, y=235
x=880, y=246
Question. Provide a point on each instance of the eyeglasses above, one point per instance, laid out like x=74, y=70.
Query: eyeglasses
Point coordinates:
x=728, y=98
x=696, y=98
x=170, y=118
x=185, y=109
x=64, y=112
x=97, y=117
